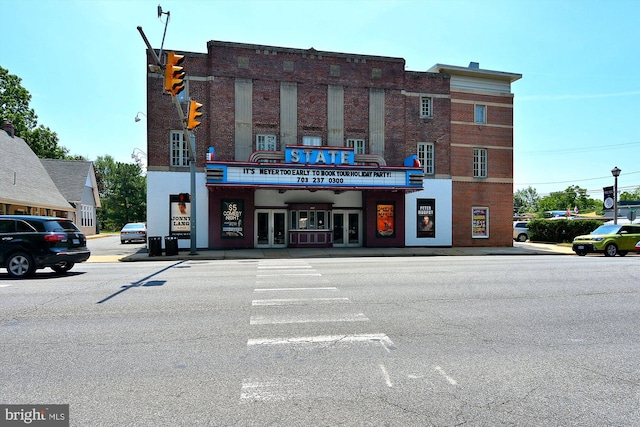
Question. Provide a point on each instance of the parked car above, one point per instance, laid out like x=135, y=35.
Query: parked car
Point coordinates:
x=29, y=243
x=133, y=231
x=520, y=231
x=638, y=247
x=610, y=239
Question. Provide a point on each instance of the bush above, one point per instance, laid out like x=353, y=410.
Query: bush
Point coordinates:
x=560, y=230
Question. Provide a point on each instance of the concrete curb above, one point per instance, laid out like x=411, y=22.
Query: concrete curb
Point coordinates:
x=238, y=254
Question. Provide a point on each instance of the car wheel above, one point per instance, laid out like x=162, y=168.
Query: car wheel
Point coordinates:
x=20, y=265
x=122, y=242
x=63, y=267
x=581, y=253
x=610, y=250
x=522, y=237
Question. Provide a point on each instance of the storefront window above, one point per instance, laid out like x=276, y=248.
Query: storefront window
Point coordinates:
x=310, y=220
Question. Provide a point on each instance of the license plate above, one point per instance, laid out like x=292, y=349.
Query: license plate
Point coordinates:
x=580, y=247
x=76, y=241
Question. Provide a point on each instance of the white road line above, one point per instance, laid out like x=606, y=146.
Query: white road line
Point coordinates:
x=382, y=339
x=386, y=376
x=328, y=288
x=4, y=286
x=283, y=267
x=323, y=318
x=294, y=301
x=444, y=374
x=289, y=274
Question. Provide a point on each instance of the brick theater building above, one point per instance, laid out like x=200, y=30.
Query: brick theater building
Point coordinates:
x=305, y=148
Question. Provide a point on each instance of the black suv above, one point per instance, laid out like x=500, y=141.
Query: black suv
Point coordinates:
x=29, y=242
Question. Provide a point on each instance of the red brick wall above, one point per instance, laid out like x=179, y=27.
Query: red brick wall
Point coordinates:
x=499, y=199
x=496, y=190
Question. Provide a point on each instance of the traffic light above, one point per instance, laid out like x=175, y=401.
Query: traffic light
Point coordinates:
x=173, y=74
x=192, y=123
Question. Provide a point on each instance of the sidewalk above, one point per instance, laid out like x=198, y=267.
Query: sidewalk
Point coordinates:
x=209, y=254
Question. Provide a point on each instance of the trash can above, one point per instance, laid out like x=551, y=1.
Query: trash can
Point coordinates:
x=155, y=246
x=171, y=245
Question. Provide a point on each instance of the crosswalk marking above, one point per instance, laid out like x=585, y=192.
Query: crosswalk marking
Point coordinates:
x=307, y=318
x=271, y=292
x=382, y=339
x=298, y=301
x=326, y=288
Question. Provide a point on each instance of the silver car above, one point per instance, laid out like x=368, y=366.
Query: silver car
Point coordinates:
x=133, y=231
x=520, y=231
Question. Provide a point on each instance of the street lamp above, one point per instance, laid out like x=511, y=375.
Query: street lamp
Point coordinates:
x=137, y=118
x=616, y=173
x=137, y=154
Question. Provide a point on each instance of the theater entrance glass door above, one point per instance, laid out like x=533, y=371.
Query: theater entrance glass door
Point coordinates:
x=271, y=228
x=347, y=228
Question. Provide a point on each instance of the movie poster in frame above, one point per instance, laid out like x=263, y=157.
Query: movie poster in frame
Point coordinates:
x=426, y=218
x=480, y=222
x=232, y=219
x=385, y=224
x=180, y=215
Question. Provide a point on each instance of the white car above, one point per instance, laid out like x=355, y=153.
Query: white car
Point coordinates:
x=520, y=231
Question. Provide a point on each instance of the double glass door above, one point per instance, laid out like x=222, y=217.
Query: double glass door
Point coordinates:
x=271, y=228
x=347, y=230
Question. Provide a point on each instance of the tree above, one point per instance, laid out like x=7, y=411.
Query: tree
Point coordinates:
x=630, y=196
x=44, y=144
x=14, y=103
x=572, y=197
x=14, y=106
x=123, y=193
x=525, y=200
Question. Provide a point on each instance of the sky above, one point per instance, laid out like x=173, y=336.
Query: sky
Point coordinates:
x=576, y=107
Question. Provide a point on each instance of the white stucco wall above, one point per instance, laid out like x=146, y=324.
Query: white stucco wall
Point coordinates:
x=159, y=186
x=440, y=190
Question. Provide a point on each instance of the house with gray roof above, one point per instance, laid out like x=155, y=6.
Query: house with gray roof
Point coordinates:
x=76, y=181
x=28, y=187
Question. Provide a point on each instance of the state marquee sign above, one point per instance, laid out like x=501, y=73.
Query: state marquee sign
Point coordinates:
x=334, y=171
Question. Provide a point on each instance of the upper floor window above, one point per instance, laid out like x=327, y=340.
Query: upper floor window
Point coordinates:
x=426, y=157
x=426, y=106
x=479, y=162
x=179, y=150
x=314, y=141
x=266, y=142
x=358, y=145
x=182, y=96
x=480, y=115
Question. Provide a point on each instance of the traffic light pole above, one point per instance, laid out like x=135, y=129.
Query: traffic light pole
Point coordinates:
x=192, y=173
x=190, y=136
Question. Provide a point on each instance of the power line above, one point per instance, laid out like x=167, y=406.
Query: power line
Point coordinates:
x=572, y=180
x=580, y=149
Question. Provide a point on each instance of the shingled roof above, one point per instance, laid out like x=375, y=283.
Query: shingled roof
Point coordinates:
x=71, y=176
x=23, y=178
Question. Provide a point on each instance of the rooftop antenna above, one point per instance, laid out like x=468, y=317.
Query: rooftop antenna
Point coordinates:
x=160, y=13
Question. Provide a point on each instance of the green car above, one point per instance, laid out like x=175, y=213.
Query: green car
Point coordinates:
x=610, y=239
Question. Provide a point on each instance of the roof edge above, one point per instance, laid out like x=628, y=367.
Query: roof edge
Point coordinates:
x=475, y=72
